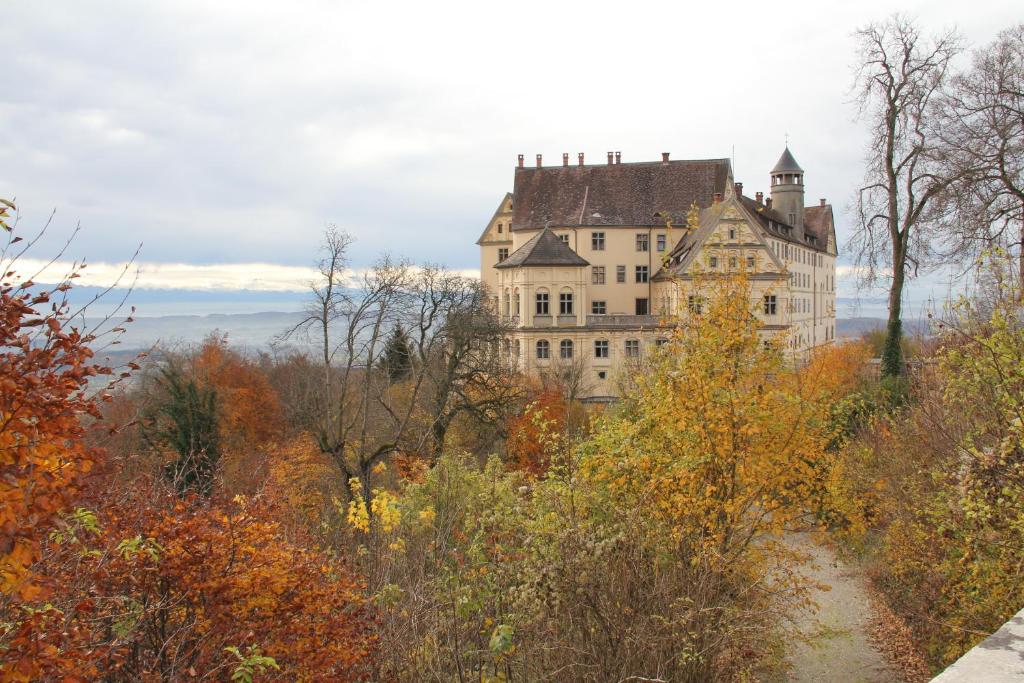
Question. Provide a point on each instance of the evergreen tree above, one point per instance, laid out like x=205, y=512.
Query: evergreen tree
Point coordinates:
x=186, y=420
x=397, y=357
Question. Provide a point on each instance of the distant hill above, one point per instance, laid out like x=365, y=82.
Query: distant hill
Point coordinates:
x=855, y=327
x=250, y=330
x=256, y=331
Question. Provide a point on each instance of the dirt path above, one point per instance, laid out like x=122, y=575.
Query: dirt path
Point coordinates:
x=839, y=647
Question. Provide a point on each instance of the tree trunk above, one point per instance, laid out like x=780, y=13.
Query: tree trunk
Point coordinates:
x=892, y=352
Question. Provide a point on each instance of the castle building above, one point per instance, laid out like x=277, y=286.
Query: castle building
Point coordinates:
x=588, y=262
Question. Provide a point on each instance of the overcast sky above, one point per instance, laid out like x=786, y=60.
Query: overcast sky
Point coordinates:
x=228, y=134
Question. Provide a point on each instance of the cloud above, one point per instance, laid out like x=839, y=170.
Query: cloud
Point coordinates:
x=224, y=277
x=232, y=132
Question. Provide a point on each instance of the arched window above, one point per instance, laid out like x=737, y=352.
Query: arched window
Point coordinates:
x=543, y=349
x=565, y=302
x=565, y=349
x=543, y=302
x=515, y=306
x=507, y=309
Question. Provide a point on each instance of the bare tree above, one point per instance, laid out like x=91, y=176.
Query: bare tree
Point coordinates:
x=899, y=81
x=360, y=413
x=982, y=128
x=468, y=375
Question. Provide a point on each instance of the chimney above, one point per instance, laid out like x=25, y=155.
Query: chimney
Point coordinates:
x=520, y=161
x=618, y=157
x=760, y=197
x=610, y=155
x=565, y=158
x=718, y=198
x=768, y=202
x=538, y=161
x=581, y=158
x=739, y=189
x=664, y=157
x=822, y=200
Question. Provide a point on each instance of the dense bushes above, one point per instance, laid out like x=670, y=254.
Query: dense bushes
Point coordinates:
x=650, y=548
x=941, y=481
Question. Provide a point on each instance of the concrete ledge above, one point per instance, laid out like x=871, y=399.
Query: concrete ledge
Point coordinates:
x=998, y=658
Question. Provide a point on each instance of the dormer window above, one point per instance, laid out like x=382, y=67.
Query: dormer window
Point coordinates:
x=499, y=228
x=564, y=238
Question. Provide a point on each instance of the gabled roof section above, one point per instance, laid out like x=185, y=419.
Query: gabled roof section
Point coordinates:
x=504, y=202
x=616, y=194
x=544, y=249
x=775, y=224
x=787, y=164
x=819, y=221
x=682, y=256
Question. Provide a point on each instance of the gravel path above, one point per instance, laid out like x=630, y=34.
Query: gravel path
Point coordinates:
x=839, y=647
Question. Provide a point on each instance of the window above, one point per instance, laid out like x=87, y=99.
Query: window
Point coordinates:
x=597, y=241
x=713, y=262
x=601, y=348
x=565, y=303
x=641, y=307
x=632, y=348
x=620, y=273
x=597, y=275
x=732, y=233
x=769, y=304
x=542, y=304
x=642, y=241
x=601, y=374
x=732, y=262
x=543, y=349
x=598, y=307
x=660, y=342
x=695, y=304
x=750, y=263
x=502, y=254
x=565, y=349
x=499, y=228
x=661, y=242
x=641, y=274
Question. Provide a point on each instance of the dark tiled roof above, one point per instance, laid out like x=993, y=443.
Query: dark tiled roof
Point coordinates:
x=818, y=221
x=773, y=221
x=543, y=249
x=615, y=194
x=787, y=164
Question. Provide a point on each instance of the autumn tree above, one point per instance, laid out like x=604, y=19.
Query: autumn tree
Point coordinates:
x=900, y=77
x=533, y=435
x=46, y=366
x=249, y=410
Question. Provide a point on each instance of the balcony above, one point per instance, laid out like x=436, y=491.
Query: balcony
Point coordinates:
x=624, y=321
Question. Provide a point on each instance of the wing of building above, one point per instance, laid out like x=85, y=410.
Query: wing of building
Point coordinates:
x=586, y=261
